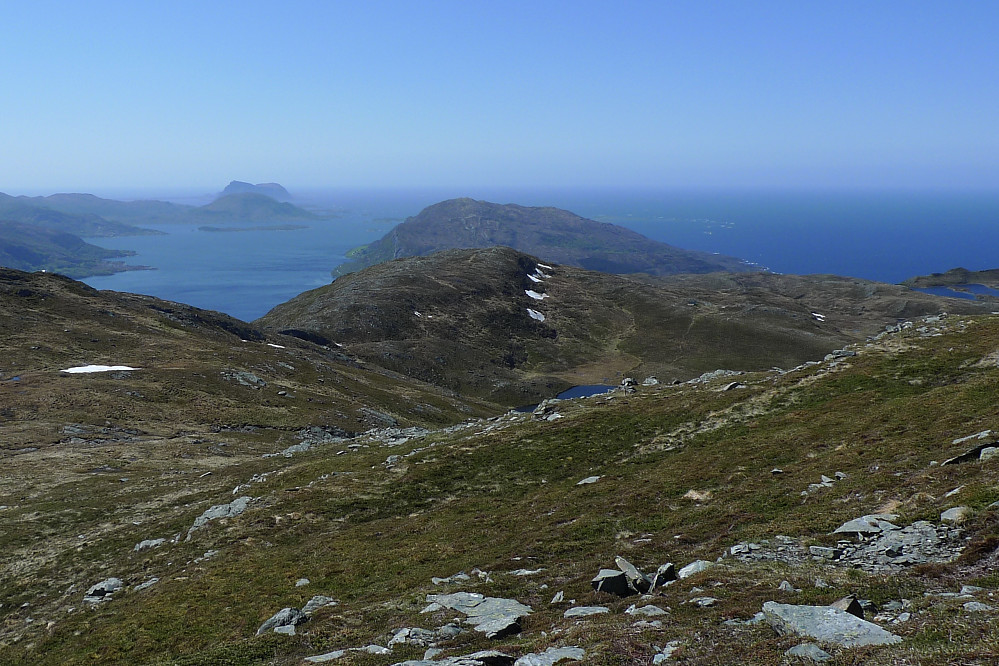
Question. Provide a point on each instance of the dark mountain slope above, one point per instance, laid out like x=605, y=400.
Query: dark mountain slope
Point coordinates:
x=548, y=233
x=461, y=319
x=31, y=248
x=27, y=211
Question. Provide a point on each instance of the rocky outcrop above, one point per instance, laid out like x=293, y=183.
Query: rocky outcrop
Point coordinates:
x=286, y=617
x=230, y=510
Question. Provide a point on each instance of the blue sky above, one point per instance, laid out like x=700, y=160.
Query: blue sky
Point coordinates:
x=101, y=96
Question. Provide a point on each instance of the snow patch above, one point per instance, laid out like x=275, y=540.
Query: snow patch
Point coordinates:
x=535, y=295
x=544, y=266
x=818, y=317
x=81, y=369
x=417, y=313
x=271, y=344
x=533, y=279
x=535, y=314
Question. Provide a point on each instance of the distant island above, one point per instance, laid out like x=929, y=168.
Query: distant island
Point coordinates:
x=47, y=232
x=548, y=233
x=272, y=190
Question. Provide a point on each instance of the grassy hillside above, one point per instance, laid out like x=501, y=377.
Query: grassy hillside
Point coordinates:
x=685, y=472
x=461, y=319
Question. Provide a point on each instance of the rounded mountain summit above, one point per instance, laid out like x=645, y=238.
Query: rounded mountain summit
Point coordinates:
x=551, y=234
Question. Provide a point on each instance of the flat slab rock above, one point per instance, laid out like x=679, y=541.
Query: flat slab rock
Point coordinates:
x=551, y=656
x=492, y=616
x=827, y=624
x=481, y=658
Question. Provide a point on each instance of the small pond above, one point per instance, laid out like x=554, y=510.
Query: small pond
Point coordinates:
x=966, y=291
x=582, y=391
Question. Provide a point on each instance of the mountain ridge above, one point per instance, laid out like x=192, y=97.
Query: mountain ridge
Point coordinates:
x=462, y=319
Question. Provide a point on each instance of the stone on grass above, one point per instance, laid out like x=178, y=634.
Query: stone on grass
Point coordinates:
x=977, y=606
x=558, y=598
x=491, y=616
x=988, y=453
x=145, y=586
x=645, y=610
x=148, y=543
x=695, y=567
x=665, y=652
x=636, y=579
x=809, y=651
x=850, y=605
x=230, y=510
x=551, y=656
x=588, y=480
x=283, y=618
x=867, y=525
x=664, y=574
x=317, y=602
x=826, y=624
x=612, y=581
x=956, y=514
x=328, y=656
x=703, y=602
x=103, y=590
x=584, y=611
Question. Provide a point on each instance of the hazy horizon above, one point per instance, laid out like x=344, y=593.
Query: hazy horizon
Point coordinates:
x=127, y=97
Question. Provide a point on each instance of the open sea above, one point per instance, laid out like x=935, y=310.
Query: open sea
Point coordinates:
x=878, y=235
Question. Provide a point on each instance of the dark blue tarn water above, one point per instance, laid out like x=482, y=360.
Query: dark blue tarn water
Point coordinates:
x=581, y=391
x=885, y=236
x=966, y=291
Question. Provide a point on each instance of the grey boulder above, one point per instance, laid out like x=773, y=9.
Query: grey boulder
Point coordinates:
x=826, y=624
x=103, y=590
x=612, y=581
x=286, y=617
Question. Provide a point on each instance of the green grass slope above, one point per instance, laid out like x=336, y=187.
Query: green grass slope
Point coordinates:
x=685, y=473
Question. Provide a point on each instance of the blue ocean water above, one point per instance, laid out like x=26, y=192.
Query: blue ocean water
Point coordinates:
x=885, y=236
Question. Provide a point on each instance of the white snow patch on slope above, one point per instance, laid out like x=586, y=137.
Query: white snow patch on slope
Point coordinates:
x=81, y=369
x=535, y=314
x=533, y=279
x=535, y=295
x=271, y=344
x=544, y=266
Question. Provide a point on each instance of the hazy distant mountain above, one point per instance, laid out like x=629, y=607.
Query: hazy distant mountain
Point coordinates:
x=130, y=212
x=31, y=248
x=250, y=206
x=26, y=211
x=549, y=233
x=272, y=190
